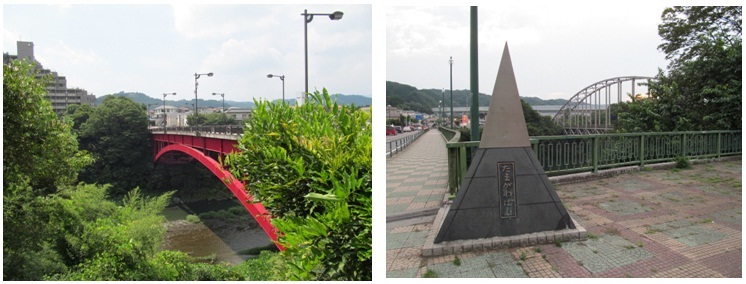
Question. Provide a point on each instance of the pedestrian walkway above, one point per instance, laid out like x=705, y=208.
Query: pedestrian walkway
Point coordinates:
x=417, y=178
x=661, y=223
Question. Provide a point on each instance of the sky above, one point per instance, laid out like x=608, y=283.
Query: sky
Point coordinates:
x=556, y=49
x=156, y=49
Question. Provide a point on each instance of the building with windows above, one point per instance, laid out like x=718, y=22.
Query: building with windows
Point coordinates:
x=57, y=91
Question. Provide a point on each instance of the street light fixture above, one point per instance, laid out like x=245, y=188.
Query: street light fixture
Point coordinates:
x=282, y=77
x=307, y=18
x=196, y=76
x=222, y=95
x=451, y=62
x=165, y=116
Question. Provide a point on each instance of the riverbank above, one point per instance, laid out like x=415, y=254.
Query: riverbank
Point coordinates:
x=212, y=239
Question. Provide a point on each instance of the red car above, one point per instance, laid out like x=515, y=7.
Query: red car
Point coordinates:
x=390, y=130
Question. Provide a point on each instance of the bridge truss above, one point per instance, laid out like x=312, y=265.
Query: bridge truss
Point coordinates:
x=589, y=110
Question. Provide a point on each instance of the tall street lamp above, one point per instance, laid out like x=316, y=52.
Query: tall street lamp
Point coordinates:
x=282, y=77
x=222, y=95
x=440, y=109
x=165, y=116
x=451, y=61
x=307, y=18
x=196, y=76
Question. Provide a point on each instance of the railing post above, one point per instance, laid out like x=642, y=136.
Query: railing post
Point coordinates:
x=642, y=150
x=720, y=137
x=683, y=145
x=462, y=164
x=595, y=153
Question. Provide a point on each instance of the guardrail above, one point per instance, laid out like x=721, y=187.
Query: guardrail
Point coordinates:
x=396, y=146
x=450, y=135
x=590, y=153
x=213, y=129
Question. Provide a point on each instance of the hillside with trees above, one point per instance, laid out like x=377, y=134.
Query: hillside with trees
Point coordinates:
x=141, y=98
x=408, y=97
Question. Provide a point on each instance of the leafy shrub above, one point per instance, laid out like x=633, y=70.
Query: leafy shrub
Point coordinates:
x=310, y=166
x=191, y=218
x=682, y=163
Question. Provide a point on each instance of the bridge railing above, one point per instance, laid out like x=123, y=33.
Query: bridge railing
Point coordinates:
x=396, y=146
x=560, y=155
x=213, y=129
x=450, y=135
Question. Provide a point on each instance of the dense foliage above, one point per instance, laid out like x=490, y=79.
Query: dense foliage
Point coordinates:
x=116, y=134
x=54, y=229
x=215, y=118
x=310, y=166
x=702, y=89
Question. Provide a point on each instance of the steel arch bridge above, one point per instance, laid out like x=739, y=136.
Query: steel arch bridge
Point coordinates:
x=206, y=146
x=589, y=110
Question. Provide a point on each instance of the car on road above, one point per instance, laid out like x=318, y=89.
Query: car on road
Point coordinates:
x=398, y=129
x=407, y=129
x=390, y=130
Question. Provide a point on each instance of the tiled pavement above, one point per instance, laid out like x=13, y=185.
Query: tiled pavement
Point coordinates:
x=417, y=178
x=662, y=223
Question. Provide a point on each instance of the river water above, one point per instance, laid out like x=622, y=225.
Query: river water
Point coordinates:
x=222, y=239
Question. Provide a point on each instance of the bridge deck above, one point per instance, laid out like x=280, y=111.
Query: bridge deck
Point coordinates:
x=417, y=178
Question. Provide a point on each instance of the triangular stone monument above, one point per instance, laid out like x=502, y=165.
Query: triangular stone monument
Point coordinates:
x=505, y=191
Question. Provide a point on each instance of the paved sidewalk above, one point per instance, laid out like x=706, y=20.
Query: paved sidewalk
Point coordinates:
x=417, y=178
x=662, y=223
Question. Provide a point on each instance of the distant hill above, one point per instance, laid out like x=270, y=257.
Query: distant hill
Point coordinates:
x=154, y=102
x=408, y=97
x=341, y=99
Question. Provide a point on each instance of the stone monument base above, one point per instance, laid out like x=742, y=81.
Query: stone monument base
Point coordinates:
x=485, y=244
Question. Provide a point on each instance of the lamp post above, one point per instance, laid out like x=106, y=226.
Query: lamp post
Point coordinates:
x=164, y=111
x=451, y=62
x=196, y=76
x=222, y=95
x=440, y=109
x=307, y=18
x=282, y=77
x=388, y=115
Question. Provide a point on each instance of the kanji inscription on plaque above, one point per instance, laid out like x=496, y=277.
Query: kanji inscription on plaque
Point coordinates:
x=506, y=187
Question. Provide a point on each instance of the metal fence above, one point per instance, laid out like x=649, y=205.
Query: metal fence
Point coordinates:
x=214, y=129
x=396, y=146
x=590, y=153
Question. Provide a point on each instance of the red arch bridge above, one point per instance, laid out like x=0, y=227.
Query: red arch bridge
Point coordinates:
x=206, y=144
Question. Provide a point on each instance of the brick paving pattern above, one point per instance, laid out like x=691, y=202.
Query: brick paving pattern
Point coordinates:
x=656, y=224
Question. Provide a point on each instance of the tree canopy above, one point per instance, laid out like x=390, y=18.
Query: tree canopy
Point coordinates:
x=702, y=89
x=117, y=135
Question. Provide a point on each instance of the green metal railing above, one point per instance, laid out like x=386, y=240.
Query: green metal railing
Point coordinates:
x=450, y=135
x=590, y=153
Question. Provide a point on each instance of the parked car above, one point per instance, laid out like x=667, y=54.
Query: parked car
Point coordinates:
x=407, y=129
x=398, y=129
x=390, y=130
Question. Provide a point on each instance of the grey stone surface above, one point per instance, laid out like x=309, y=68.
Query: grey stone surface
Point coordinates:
x=505, y=125
x=481, y=208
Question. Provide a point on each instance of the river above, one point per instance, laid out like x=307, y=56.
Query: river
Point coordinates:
x=221, y=239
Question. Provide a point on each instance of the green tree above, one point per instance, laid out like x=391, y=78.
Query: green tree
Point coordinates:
x=118, y=137
x=79, y=114
x=39, y=154
x=702, y=89
x=310, y=166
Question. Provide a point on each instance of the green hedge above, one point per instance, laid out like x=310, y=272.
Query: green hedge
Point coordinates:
x=311, y=166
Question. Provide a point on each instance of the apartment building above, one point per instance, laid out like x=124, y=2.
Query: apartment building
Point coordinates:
x=57, y=91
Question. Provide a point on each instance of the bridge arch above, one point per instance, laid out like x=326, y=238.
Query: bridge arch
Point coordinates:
x=588, y=111
x=257, y=210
